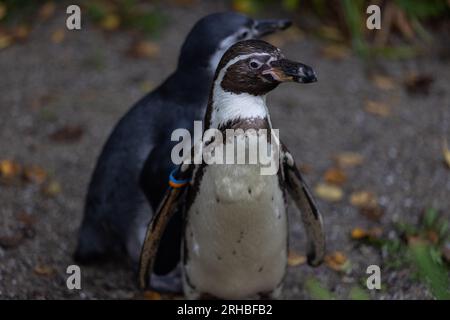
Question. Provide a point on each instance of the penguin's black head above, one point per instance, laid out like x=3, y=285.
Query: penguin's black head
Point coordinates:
x=257, y=67
x=214, y=34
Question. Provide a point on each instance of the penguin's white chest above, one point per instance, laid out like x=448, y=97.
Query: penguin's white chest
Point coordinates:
x=236, y=233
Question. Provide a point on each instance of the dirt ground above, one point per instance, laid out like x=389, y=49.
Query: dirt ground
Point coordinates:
x=88, y=80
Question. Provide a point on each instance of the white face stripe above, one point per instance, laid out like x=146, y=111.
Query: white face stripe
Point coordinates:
x=237, y=59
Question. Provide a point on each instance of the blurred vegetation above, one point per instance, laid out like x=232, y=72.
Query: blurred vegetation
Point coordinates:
x=423, y=249
x=344, y=21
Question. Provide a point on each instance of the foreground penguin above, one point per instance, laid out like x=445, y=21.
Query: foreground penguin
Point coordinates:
x=135, y=162
x=235, y=237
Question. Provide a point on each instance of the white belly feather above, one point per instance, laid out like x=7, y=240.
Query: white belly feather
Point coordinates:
x=236, y=232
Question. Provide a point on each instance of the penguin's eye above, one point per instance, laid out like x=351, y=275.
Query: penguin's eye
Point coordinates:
x=243, y=35
x=255, y=64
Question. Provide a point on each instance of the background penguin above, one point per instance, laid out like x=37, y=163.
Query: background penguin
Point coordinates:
x=235, y=237
x=134, y=164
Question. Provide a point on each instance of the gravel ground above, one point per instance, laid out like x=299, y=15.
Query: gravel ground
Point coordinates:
x=88, y=80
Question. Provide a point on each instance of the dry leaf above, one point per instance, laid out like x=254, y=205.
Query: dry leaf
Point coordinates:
x=2, y=11
x=372, y=213
x=329, y=192
x=330, y=33
x=336, y=260
x=335, y=176
x=35, y=174
x=433, y=236
x=5, y=41
x=363, y=199
x=335, y=52
x=348, y=159
x=144, y=49
x=418, y=83
x=43, y=270
x=21, y=32
x=383, y=82
x=68, y=134
x=151, y=295
x=46, y=11
x=58, y=36
x=11, y=242
x=377, y=108
x=111, y=22
x=9, y=169
x=446, y=153
x=52, y=189
x=359, y=233
x=295, y=259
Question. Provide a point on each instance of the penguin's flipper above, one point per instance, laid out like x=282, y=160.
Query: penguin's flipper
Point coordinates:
x=311, y=216
x=156, y=227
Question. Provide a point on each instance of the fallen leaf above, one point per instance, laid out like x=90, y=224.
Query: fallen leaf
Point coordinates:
x=446, y=153
x=67, y=134
x=374, y=213
x=418, y=83
x=336, y=261
x=21, y=32
x=5, y=40
x=383, y=82
x=35, y=174
x=359, y=233
x=11, y=242
x=43, y=270
x=329, y=192
x=110, y=22
x=52, y=189
x=330, y=33
x=144, y=49
x=377, y=108
x=348, y=159
x=433, y=236
x=335, y=52
x=2, y=11
x=305, y=168
x=9, y=169
x=151, y=295
x=364, y=199
x=58, y=36
x=335, y=176
x=46, y=11
x=295, y=259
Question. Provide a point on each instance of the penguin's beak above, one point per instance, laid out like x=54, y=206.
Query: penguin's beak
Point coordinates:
x=265, y=27
x=285, y=70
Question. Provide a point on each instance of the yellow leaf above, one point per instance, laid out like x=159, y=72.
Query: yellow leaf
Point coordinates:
x=336, y=261
x=335, y=176
x=446, y=153
x=358, y=233
x=364, y=199
x=295, y=259
x=35, y=174
x=377, y=108
x=9, y=169
x=348, y=159
x=152, y=295
x=244, y=6
x=329, y=192
x=383, y=82
x=47, y=10
x=43, y=270
x=2, y=11
x=110, y=22
x=5, y=41
x=52, y=189
x=21, y=32
x=144, y=49
x=58, y=36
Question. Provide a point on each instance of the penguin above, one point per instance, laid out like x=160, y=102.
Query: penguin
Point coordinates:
x=235, y=235
x=128, y=181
